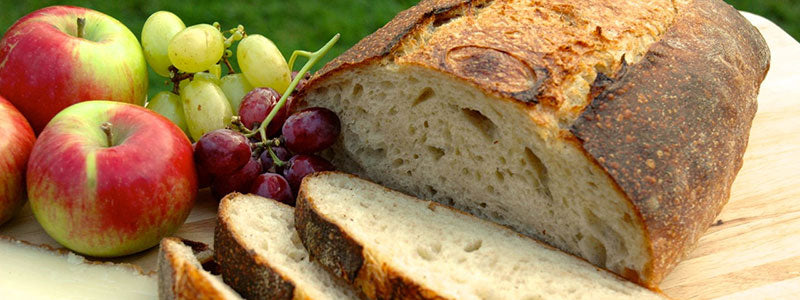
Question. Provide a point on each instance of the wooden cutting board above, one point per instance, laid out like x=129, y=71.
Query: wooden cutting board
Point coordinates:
x=752, y=252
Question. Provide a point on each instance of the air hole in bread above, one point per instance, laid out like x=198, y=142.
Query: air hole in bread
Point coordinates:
x=431, y=191
x=473, y=246
x=435, y=152
x=498, y=217
x=398, y=162
x=481, y=122
x=357, y=89
x=540, y=170
x=443, y=19
x=426, y=94
x=500, y=176
x=536, y=164
x=627, y=219
x=296, y=255
x=376, y=154
x=483, y=204
x=426, y=253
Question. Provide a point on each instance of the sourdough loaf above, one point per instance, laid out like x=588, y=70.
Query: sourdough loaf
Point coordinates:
x=610, y=129
x=181, y=274
x=394, y=246
x=260, y=254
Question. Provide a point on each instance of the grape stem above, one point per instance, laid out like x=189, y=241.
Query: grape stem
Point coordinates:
x=81, y=27
x=228, y=64
x=177, y=77
x=313, y=58
x=277, y=161
x=237, y=121
x=276, y=142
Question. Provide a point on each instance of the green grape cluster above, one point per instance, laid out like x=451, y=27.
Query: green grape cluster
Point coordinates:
x=202, y=99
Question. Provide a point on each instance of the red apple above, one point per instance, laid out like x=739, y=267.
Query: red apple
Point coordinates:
x=110, y=179
x=16, y=142
x=45, y=66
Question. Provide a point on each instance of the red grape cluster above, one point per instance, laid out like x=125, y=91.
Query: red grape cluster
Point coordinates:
x=228, y=161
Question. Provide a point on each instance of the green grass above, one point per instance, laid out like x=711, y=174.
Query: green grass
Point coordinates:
x=785, y=13
x=306, y=24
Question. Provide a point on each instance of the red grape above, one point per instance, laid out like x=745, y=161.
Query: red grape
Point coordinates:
x=302, y=165
x=266, y=159
x=256, y=106
x=203, y=177
x=273, y=186
x=238, y=181
x=222, y=151
x=311, y=130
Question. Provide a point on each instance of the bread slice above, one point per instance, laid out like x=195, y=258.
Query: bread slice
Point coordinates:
x=30, y=271
x=260, y=254
x=181, y=274
x=394, y=246
x=610, y=129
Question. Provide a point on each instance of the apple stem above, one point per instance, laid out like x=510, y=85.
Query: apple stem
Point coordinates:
x=81, y=26
x=106, y=127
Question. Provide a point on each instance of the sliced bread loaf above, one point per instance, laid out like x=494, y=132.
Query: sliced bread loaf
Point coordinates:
x=610, y=129
x=394, y=246
x=181, y=274
x=260, y=254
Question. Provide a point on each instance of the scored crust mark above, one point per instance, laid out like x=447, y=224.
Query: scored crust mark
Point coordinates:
x=241, y=268
x=675, y=151
x=554, y=49
x=497, y=69
x=326, y=242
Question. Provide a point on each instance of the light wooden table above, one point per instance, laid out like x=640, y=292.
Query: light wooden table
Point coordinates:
x=753, y=254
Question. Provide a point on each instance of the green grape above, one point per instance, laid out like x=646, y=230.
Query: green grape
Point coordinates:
x=196, y=48
x=169, y=105
x=235, y=86
x=216, y=70
x=157, y=31
x=207, y=77
x=199, y=76
x=262, y=63
x=205, y=107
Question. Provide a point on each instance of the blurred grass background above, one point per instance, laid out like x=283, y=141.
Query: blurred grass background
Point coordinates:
x=306, y=24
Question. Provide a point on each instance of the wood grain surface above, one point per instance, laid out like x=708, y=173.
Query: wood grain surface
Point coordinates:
x=752, y=252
